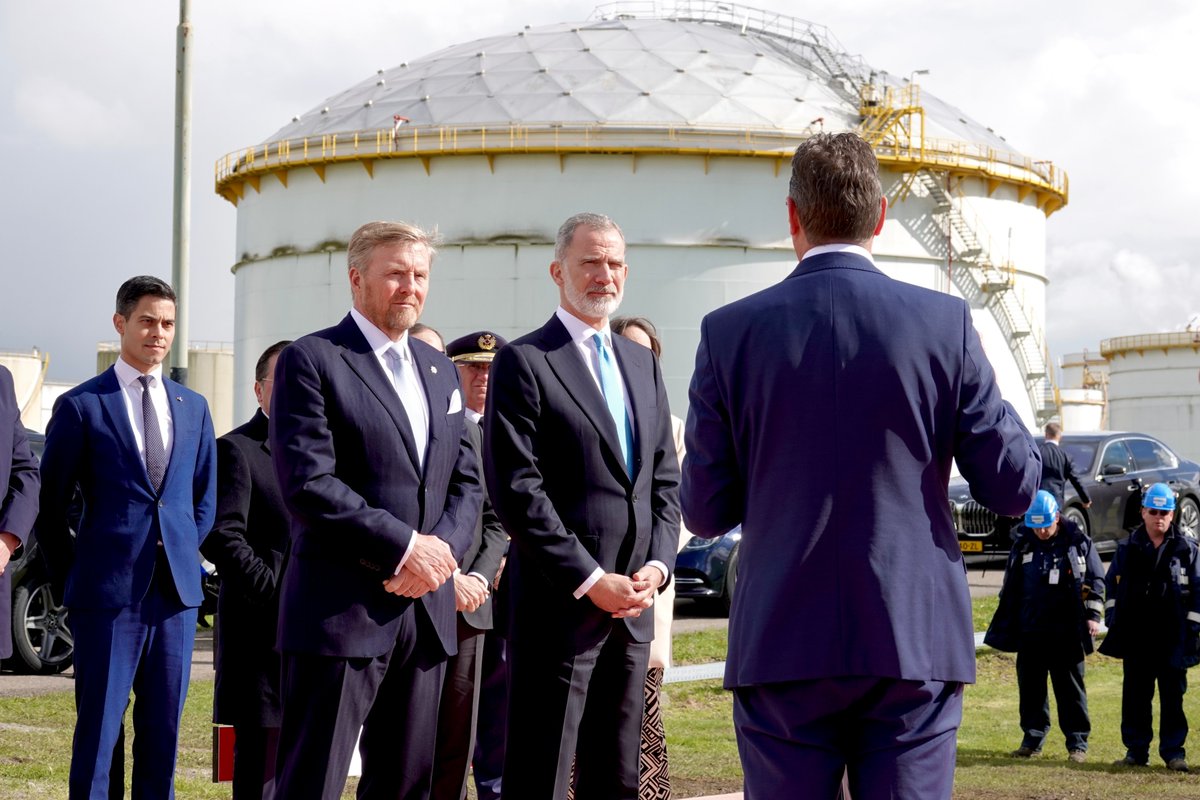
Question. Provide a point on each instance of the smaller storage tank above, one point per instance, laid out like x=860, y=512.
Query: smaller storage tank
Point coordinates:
x=210, y=372
x=28, y=371
x=1154, y=387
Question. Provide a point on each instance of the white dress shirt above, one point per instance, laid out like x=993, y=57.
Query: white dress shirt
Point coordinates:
x=583, y=336
x=380, y=343
x=838, y=247
x=131, y=391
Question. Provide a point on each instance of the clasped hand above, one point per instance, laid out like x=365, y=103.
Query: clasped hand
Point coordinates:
x=626, y=596
x=429, y=565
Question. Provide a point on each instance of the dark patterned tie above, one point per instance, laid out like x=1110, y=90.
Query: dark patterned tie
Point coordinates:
x=156, y=454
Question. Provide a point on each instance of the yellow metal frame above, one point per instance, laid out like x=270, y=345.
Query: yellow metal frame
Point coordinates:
x=236, y=171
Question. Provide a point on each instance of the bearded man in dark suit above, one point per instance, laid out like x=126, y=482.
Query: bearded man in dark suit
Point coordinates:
x=582, y=470
x=372, y=456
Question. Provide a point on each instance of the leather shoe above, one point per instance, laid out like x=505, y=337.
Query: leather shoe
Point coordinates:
x=1130, y=761
x=1023, y=752
x=1177, y=765
x=1077, y=756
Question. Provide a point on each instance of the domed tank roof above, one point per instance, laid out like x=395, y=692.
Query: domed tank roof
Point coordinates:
x=702, y=66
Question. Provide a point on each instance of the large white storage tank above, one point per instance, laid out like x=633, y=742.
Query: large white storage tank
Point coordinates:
x=678, y=124
x=1154, y=387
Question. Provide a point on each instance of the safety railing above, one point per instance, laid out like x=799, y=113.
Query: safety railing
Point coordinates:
x=603, y=138
x=1150, y=341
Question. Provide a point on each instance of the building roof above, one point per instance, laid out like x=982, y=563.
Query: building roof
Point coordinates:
x=694, y=64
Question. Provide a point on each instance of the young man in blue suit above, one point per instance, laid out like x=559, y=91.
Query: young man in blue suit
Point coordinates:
x=582, y=470
x=140, y=449
x=19, y=482
x=825, y=412
x=376, y=468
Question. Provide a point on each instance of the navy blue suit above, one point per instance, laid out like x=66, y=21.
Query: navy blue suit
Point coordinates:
x=19, y=481
x=131, y=574
x=558, y=481
x=347, y=465
x=825, y=412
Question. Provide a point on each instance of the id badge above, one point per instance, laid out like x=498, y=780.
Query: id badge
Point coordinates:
x=1054, y=576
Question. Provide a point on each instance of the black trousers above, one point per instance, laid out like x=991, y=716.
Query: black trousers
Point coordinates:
x=1066, y=675
x=563, y=703
x=1137, y=695
x=492, y=722
x=456, y=716
x=392, y=699
x=254, y=762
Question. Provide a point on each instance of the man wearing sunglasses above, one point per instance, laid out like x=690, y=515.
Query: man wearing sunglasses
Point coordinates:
x=1153, y=616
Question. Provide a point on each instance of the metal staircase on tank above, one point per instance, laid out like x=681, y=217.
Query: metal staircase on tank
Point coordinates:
x=893, y=122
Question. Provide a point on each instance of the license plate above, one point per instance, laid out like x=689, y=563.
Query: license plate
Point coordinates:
x=971, y=547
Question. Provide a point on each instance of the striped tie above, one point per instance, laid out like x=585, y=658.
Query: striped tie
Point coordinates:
x=156, y=454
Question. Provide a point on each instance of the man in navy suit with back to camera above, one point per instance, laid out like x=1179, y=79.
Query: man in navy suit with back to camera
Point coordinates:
x=376, y=468
x=582, y=470
x=19, y=480
x=825, y=413
x=140, y=449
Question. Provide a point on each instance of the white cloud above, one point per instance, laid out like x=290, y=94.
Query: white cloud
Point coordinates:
x=71, y=116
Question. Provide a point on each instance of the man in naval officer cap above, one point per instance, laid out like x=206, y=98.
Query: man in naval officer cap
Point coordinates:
x=472, y=355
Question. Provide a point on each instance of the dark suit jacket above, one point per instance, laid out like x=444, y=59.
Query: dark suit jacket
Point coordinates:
x=1057, y=469
x=488, y=546
x=247, y=544
x=89, y=443
x=19, y=480
x=558, y=481
x=825, y=412
x=347, y=466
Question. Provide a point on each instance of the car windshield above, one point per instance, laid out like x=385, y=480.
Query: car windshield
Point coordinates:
x=1083, y=454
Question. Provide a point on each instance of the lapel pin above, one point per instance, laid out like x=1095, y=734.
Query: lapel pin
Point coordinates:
x=433, y=369
x=179, y=398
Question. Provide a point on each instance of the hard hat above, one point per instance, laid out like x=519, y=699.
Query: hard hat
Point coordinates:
x=1043, y=512
x=1159, y=496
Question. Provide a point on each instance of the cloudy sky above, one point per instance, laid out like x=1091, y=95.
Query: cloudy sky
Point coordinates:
x=87, y=93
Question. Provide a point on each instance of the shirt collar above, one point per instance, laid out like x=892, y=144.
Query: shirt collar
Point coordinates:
x=839, y=247
x=579, y=331
x=377, y=340
x=128, y=374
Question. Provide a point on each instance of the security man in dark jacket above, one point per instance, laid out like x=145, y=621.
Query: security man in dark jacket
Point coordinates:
x=1058, y=468
x=1050, y=607
x=1153, y=614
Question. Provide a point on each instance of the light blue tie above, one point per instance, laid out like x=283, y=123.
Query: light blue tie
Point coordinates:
x=610, y=385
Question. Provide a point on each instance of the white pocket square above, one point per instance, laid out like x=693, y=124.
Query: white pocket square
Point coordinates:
x=455, y=403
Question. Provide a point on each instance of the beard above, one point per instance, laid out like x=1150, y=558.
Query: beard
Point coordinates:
x=591, y=304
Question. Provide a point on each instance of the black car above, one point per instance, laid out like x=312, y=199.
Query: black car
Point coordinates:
x=706, y=569
x=1115, y=468
x=42, y=642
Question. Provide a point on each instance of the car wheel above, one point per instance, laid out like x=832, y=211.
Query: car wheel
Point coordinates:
x=731, y=578
x=1188, y=517
x=42, y=641
x=1075, y=514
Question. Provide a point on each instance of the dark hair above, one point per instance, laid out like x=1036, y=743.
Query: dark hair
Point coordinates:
x=260, y=369
x=420, y=327
x=835, y=188
x=1053, y=430
x=621, y=324
x=134, y=289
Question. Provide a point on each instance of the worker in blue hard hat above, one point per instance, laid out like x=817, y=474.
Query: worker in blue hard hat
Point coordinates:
x=1050, y=607
x=1154, y=626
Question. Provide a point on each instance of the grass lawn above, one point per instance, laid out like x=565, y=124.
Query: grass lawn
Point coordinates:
x=35, y=740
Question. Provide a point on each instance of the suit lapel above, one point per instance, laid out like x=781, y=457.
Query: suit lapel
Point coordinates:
x=563, y=357
x=185, y=417
x=113, y=401
x=435, y=395
x=360, y=358
x=639, y=385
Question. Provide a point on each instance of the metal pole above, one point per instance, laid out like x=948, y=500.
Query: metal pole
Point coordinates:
x=181, y=220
